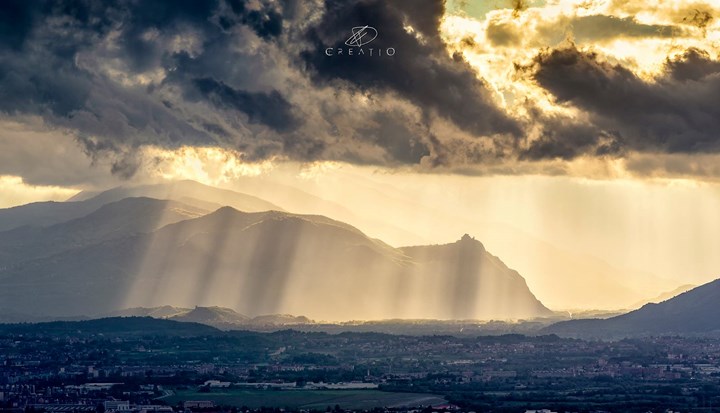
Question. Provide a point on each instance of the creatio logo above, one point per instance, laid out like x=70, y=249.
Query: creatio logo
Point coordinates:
x=360, y=36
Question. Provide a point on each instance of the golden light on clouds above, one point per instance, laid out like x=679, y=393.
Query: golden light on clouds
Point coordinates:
x=647, y=34
x=209, y=165
x=316, y=170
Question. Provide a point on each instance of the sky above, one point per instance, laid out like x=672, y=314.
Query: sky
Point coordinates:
x=584, y=131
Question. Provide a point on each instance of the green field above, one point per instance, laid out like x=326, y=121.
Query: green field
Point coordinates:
x=308, y=399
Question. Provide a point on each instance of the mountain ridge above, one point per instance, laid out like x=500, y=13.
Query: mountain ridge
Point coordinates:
x=48, y=213
x=694, y=311
x=268, y=262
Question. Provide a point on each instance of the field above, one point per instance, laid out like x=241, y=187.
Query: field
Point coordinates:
x=308, y=399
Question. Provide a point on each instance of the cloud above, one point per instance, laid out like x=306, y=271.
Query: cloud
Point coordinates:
x=675, y=113
x=270, y=109
x=603, y=27
x=253, y=78
x=46, y=157
x=693, y=65
x=420, y=70
x=695, y=14
x=518, y=6
x=250, y=76
x=511, y=32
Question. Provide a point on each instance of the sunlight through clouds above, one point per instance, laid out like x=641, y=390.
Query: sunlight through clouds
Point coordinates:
x=13, y=191
x=209, y=165
x=558, y=131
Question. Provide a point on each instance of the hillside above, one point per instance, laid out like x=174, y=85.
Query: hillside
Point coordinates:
x=694, y=312
x=475, y=281
x=111, y=327
x=195, y=194
x=119, y=219
x=266, y=263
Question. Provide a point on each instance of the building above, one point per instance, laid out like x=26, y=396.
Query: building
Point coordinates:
x=116, y=405
x=198, y=404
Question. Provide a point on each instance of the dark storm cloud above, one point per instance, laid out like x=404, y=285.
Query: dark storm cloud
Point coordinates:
x=127, y=73
x=16, y=20
x=39, y=74
x=142, y=49
x=420, y=71
x=268, y=108
x=693, y=65
x=252, y=76
x=42, y=39
x=564, y=138
x=267, y=23
x=676, y=113
x=398, y=135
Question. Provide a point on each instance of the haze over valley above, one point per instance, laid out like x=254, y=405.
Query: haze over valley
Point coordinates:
x=184, y=245
x=138, y=251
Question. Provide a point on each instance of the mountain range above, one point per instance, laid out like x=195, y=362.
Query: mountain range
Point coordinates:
x=561, y=276
x=186, y=245
x=664, y=296
x=692, y=312
x=220, y=317
x=40, y=214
